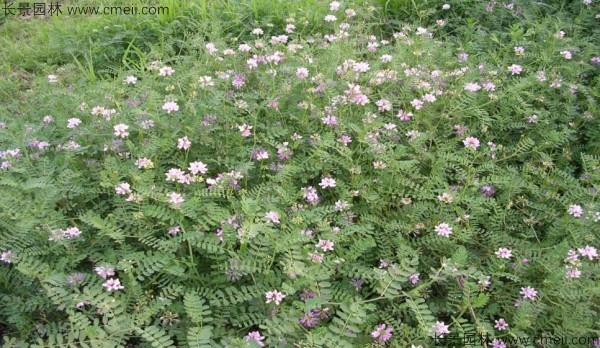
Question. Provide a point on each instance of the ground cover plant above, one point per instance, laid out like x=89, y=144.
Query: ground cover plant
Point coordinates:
x=344, y=174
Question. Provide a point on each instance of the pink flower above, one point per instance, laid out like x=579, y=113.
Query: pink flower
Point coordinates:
x=519, y=50
x=384, y=105
x=472, y=87
x=170, y=107
x=529, y=293
x=417, y=104
x=245, y=130
x=345, y=139
x=244, y=48
x=73, y=122
x=414, y=278
x=325, y=245
x=211, y=48
x=82, y=303
x=386, y=58
x=259, y=154
x=404, y=116
x=197, y=167
x=382, y=333
x=572, y=272
x=471, y=143
x=428, y=97
x=274, y=296
x=173, y=230
x=445, y=197
x=166, y=71
x=310, y=194
x=281, y=39
x=113, y=285
x=440, y=329
x=361, y=67
x=327, y=182
x=316, y=257
x=123, y=188
x=330, y=18
x=515, y=69
x=443, y=230
x=121, y=130
x=130, y=80
x=273, y=216
x=105, y=271
x=175, y=174
x=572, y=257
x=302, y=73
x=501, y=324
x=498, y=343
x=575, y=210
x=71, y=232
x=588, y=251
x=7, y=256
x=255, y=335
x=489, y=87
x=329, y=120
x=566, y=54
x=184, y=143
x=144, y=163
x=175, y=198
x=504, y=253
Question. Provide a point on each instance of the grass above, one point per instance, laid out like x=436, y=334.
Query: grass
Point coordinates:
x=531, y=167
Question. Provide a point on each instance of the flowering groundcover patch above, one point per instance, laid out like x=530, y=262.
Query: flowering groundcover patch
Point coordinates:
x=353, y=187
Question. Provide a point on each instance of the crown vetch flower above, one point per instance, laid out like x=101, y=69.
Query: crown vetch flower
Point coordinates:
x=440, y=329
x=575, y=210
x=382, y=333
x=500, y=324
x=121, y=130
x=589, y=251
x=175, y=198
x=197, y=167
x=272, y=216
x=255, y=336
x=170, y=106
x=166, y=71
x=325, y=245
x=130, y=80
x=471, y=143
x=184, y=143
x=105, y=271
x=515, y=69
x=529, y=293
x=443, y=230
x=274, y=296
x=504, y=253
x=488, y=190
x=7, y=256
x=123, y=188
x=113, y=284
x=327, y=182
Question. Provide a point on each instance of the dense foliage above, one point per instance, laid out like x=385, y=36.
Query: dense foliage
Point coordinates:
x=371, y=181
